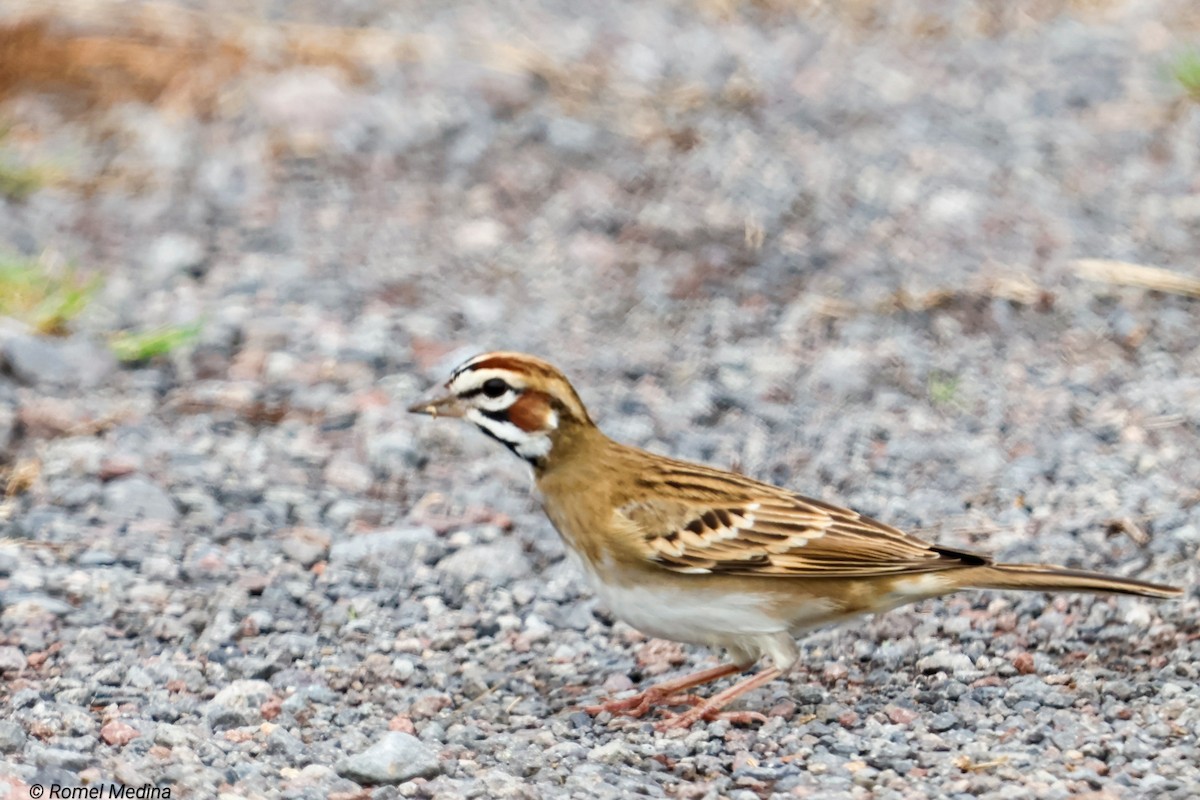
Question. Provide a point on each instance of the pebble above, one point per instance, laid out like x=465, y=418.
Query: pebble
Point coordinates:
x=305, y=545
x=238, y=704
x=12, y=659
x=614, y=752
x=378, y=544
x=943, y=722
x=12, y=736
x=175, y=253
x=57, y=757
x=281, y=742
x=90, y=361
x=572, y=136
x=396, y=758
x=136, y=497
x=8, y=427
x=36, y=360
x=118, y=733
x=498, y=563
x=169, y=735
x=956, y=664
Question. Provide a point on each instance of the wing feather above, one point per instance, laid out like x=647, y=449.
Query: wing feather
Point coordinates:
x=695, y=521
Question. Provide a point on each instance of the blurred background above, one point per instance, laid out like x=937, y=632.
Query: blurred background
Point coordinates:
x=741, y=215
x=933, y=259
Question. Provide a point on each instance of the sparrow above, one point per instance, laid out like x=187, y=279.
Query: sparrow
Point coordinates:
x=703, y=556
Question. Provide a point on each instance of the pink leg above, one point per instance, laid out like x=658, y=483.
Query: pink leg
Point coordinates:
x=642, y=702
x=711, y=708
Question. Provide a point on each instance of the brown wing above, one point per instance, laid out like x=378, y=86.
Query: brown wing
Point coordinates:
x=779, y=534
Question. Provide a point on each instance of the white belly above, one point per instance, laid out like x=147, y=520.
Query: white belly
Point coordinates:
x=697, y=617
x=739, y=622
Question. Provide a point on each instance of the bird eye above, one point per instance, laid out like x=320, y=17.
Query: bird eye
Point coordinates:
x=494, y=387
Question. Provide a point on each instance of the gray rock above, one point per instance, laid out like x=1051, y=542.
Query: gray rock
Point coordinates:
x=37, y=361
x=78, y=494
x=90, y=361
x=169, y=735
x=39, y=521
x=239, y=704
x=222, y=718
x=58, y=757
x=12, y=736
x=95, y=558
x=240, y=694
x=9, y=561
x=172, y=254
x=943, y=722
x=571, y=136
x=11, y=659
x=497, y=563
x=369, y=546
x=136, y=497
x=281, y=742
x=137, y=677
x=110, y=675
x=613, y=752
x=305, y=696
x=956, y=664
x=348, y=475
x=1058, y=700
x=810, y=695
x=403, y=669
x=20, y=604
x=501, y=784
x=8, y=426
x=566, y=751
x=396, y=758
x=846, y=372
x=1120, y=689
x=305, y=545
x=199, y=505
x=393, y=452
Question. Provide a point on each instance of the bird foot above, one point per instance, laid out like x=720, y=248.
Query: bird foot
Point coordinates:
x=670, y=693
x=641, y=703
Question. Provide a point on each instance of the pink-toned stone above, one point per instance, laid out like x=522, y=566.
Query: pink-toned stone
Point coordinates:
x=118, y=733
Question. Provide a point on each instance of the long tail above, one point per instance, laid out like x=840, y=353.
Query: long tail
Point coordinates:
x=1041, y=578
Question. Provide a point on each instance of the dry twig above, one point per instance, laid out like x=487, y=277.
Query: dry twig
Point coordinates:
x=1124, y=273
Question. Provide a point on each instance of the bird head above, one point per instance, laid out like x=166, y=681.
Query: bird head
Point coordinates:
x=521, y=401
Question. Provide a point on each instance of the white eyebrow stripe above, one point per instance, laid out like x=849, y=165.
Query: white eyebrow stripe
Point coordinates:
x=473, y=379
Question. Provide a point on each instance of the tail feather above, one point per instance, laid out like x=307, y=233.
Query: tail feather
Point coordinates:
x=1041, y=578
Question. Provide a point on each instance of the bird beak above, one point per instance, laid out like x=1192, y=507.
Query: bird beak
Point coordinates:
x=445, y=406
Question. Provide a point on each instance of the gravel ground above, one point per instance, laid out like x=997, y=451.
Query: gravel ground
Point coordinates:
x=831, y=245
